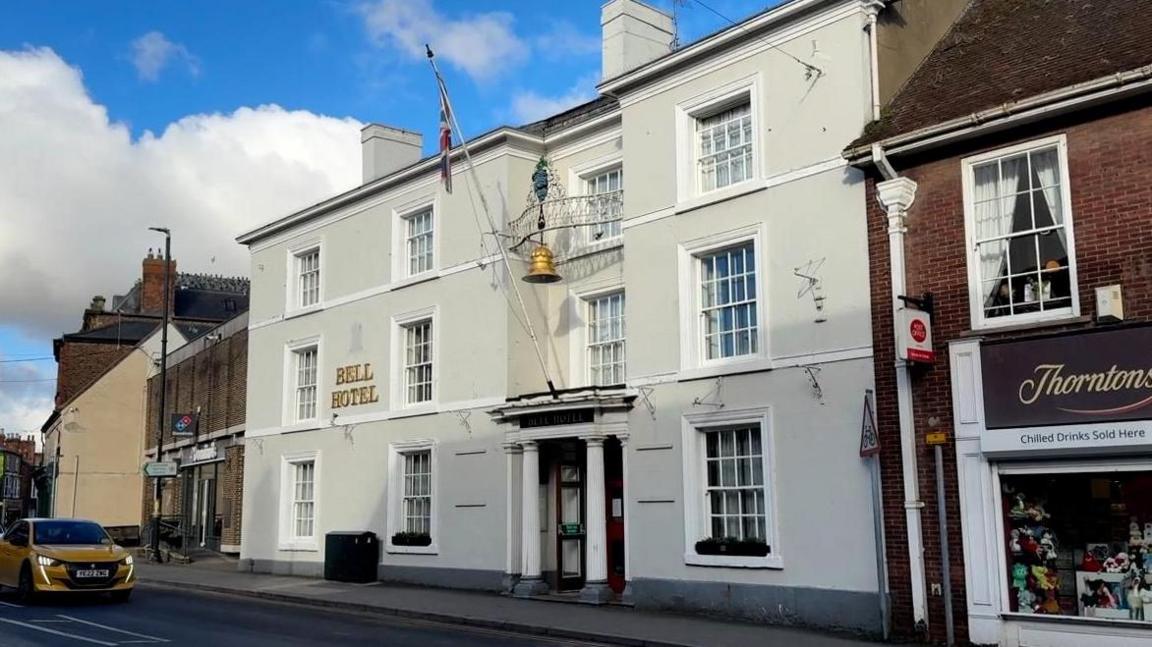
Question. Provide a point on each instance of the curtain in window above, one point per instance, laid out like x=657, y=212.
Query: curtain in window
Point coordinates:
x=995, y=197
x=1046, y=167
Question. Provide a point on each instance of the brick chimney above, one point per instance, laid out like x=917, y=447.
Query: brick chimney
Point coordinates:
x=95, y=315
x=152, y=286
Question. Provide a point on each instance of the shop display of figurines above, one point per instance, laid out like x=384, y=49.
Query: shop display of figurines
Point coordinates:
x=1140, y=544
x=1119, y=596
x=1033, y=551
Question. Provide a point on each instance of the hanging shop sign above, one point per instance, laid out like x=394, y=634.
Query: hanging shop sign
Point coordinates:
x=184, y=424
x=915, y=343
x=357, y=395
x=1090, y=390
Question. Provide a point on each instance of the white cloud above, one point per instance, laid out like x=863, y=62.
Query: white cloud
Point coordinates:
x=484, y=45
x=78, y=193
x=25, y=395
x=528, y=105
x=152, y=52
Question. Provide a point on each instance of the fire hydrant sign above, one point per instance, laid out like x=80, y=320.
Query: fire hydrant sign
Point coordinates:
x=915, y=343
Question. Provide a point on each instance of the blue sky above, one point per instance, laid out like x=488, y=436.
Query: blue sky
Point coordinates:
x=212, y=116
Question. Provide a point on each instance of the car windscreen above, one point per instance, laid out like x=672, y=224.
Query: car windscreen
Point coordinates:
x=69, y=532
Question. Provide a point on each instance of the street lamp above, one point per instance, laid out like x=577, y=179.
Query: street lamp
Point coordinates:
x=163, y=386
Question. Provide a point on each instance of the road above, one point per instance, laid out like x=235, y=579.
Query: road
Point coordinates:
x=173, y=617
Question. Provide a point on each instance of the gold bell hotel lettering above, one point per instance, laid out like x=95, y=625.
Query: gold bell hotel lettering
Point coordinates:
x=356, y=395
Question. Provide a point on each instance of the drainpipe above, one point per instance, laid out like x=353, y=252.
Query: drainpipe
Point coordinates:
x=896, y=195
x=872, y=9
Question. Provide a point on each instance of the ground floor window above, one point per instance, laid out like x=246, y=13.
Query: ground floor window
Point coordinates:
x=412, y=523
x=1079, y=544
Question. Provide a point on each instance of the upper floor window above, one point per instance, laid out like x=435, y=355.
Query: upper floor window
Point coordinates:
x=418, y=362
x=1019, y=227
x=728, y=302
x=606, y=340
x=305, y=361
x=724, y=147
x=308, y=277
x=418, y=241
x=603, y=189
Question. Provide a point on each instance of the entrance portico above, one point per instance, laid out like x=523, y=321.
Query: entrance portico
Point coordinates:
x=568, y=448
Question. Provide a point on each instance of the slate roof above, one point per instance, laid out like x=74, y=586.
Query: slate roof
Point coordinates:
x=128, y=331
x=1002, y=51
x=197, y=296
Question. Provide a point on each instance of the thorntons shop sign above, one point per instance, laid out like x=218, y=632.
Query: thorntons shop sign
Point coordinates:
x=1089, y=391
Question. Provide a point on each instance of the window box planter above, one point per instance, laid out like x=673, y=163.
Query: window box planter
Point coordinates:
x=732, y=546
x=411, y=539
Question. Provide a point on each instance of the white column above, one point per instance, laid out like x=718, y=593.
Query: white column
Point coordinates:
x=595, y=525
x=513, y=494
x=530, y=582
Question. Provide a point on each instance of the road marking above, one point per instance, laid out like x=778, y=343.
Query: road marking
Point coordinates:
x=107, y=628
x=9, y=604
x=58, y=633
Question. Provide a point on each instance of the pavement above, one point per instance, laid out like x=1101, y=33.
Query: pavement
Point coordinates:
x=613, y=625
x=171, y=617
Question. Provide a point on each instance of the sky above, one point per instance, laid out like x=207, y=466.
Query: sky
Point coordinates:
x=211, y=117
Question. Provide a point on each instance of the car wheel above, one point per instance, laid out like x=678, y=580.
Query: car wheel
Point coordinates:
x=122, y=596
x=25, y=589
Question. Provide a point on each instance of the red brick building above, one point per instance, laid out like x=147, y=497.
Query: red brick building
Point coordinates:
x=1012, y=182
x=207, y=382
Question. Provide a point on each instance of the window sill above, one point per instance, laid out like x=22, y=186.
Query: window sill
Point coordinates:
x=728, y=367
x=734, y=561
x=721, y=195
x=422, y=409
x=307, y=425
x=411, y=550
x=1020, y=326
x=1016, y=616
x=299, y=546
x=422, y=277
x=300, y=312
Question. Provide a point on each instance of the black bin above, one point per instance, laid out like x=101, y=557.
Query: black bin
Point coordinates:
x=351, y=556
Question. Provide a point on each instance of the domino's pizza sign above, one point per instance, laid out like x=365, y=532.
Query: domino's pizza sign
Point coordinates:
x=183, y=424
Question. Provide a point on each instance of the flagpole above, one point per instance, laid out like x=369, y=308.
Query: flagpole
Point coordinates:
x=492, y=224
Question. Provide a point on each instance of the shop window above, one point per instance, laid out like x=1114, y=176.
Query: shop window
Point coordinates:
x=1079, y=544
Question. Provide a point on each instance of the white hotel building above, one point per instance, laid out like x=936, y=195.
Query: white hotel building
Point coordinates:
x=705, y=387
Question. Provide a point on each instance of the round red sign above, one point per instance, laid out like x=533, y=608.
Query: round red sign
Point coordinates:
x=919, y=332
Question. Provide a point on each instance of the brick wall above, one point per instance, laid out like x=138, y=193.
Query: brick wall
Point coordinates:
x=1110, y=169
x=79, y=363
x=152, y=284
x=233, y=495
x=213, y=380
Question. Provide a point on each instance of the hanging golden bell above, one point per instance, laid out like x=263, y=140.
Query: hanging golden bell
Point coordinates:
x=541, y=269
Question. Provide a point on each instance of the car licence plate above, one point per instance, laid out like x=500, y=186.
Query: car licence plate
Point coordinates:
x=98, y=572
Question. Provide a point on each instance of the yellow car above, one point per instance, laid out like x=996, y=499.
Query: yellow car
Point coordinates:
x=64, y=555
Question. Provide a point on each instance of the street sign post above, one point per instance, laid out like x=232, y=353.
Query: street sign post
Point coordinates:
x=161, y=470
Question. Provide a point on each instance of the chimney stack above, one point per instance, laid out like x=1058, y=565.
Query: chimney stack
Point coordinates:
x=152, y=286
x=386, y=149
x=633, y=34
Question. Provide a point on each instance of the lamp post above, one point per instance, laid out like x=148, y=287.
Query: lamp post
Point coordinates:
x=163, y=386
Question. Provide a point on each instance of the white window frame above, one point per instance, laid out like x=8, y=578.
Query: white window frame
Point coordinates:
x=289, y=412
x=975, y=290
x=688, y=191
x=692, y=352
x=696, y=522
x=399, y=387
x=396, y=453
x=586, y=304
x=400, y=261
x=287, y=535
x=292, y=303
x=578, y=372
